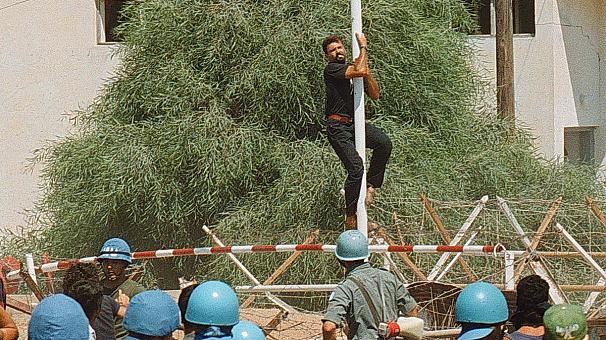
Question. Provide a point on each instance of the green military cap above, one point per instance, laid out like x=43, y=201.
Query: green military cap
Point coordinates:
x=565, y=322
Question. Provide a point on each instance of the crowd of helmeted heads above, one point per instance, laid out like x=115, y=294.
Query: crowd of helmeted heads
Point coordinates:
x=209, y=310
x=482, y=311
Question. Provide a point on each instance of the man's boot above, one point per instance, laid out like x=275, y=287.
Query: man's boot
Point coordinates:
x=372, y=226
x=370, y=196
x=351, y=222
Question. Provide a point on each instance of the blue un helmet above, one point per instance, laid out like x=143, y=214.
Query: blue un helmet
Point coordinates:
x=115, y=249
x=213, y=303
x=152, y=313
x=58, y=317
x=479, y=308
x=352, y=245
x=246, y=330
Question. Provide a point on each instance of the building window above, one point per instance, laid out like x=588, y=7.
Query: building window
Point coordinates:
x=579, y=144
x=108, y=18
x=480, y=11
x=485, y=15
x=523, y=17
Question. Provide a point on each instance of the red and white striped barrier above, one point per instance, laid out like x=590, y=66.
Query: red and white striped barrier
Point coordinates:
x=326, y=248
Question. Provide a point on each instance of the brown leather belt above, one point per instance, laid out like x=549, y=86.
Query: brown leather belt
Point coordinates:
x=339, y=118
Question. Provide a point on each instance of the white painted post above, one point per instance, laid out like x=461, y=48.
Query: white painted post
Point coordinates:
x=509, y=270
x=283, y=305
x=539, y=268
x=458, y=237
x=593, y=296
x=456, y=257
x=31, y=269
x=387, y=261
x=359, y=119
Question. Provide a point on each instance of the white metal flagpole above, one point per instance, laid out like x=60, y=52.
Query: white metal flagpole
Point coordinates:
x=359, y=119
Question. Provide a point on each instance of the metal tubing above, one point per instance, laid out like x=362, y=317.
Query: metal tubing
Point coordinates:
x=509, y=272
x=331, y=287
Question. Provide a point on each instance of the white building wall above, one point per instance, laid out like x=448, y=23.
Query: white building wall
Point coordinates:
x=50, y=65
x=559, y=73
x=602, y=44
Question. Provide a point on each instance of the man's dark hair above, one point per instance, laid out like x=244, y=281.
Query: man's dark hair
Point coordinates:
x=329, y=40
x=184, y=300
x=81, y=282
x=532, y=301
x=79, y=272
x=89, y=295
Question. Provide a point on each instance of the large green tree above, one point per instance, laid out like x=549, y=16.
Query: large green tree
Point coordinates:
x=215, y=116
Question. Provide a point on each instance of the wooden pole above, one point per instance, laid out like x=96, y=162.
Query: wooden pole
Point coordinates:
x=593, y=296
x=273, y=324
x=536, y=264
x=31, y=284
x=445, y=235
x=458, y=256
x=331, y=287
x=596, y=211
x=18, y=305
x=570, y=254
x=458, y=237
x=283, y=267
x=49, y=276
x=553, y=209
x=504, y=49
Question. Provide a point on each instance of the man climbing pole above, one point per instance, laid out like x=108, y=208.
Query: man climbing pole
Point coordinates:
x=339, y=120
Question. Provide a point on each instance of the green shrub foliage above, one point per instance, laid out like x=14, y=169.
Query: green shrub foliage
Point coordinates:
x=215, y=117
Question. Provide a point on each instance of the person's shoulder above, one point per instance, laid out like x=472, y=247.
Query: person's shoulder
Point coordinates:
x=131, y=287
x=333, y=67
x=346, y=285
x=385, y=273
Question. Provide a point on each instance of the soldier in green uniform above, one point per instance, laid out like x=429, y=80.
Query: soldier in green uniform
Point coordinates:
x=367, y=296
x=115, y=256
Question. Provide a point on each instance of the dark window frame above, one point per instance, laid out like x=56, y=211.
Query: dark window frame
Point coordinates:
x=523, y=16
x=108, y=17
x=579, y=144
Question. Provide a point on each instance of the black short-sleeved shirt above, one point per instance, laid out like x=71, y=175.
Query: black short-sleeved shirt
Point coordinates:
x=104, y=323
x=339, y=90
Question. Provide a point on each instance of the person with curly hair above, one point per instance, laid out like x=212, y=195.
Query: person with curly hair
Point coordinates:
x=339, y=113
x=182, y=302
x=81, y=282
x=532, y=302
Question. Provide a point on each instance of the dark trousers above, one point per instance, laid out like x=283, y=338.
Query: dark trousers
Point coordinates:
x=341, y=138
